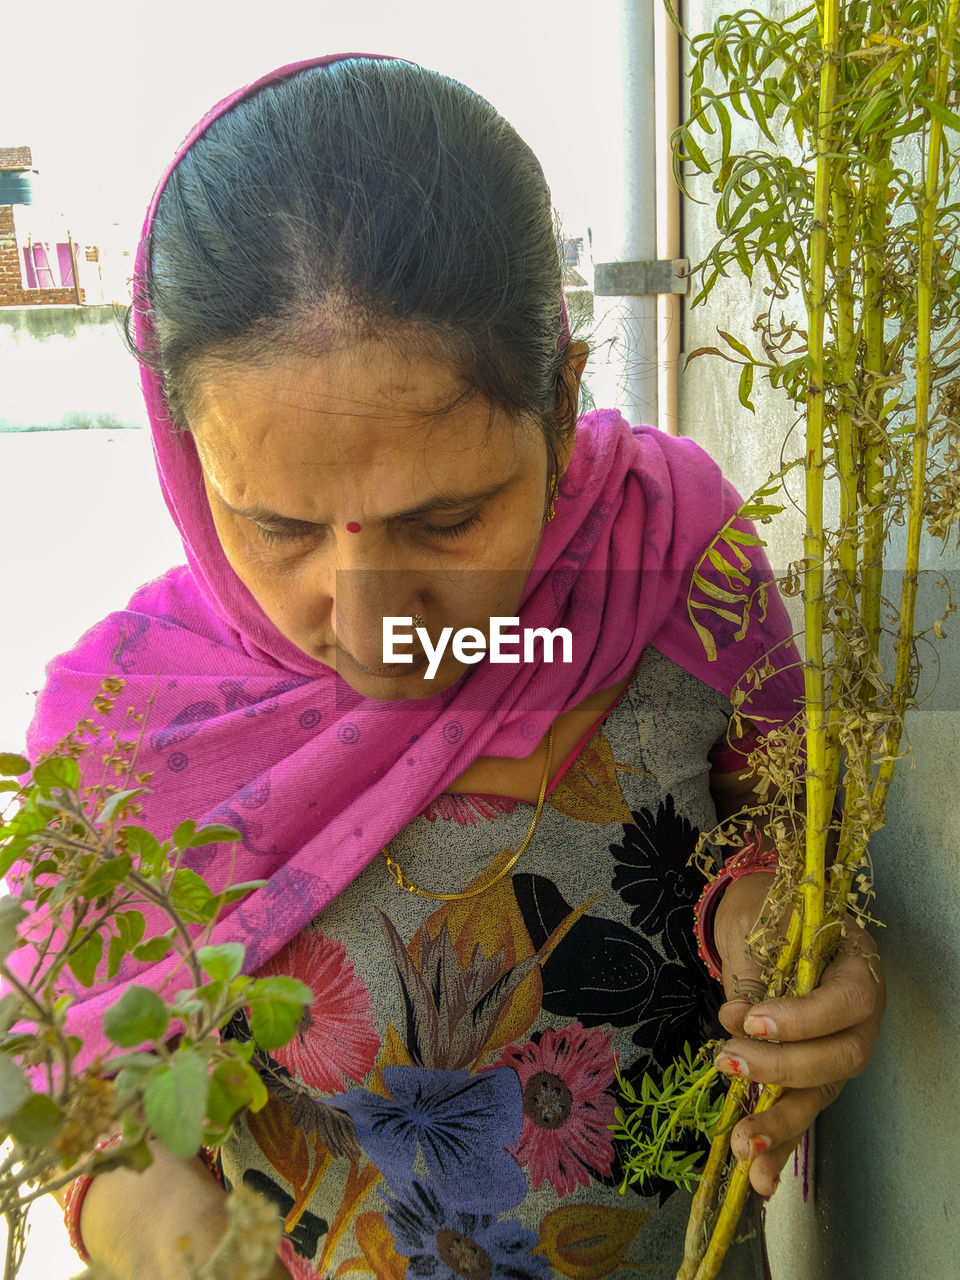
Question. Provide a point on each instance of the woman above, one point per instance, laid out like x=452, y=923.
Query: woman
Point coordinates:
x=362, y=390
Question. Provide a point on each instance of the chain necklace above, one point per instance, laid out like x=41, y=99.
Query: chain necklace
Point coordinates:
x=404, y=883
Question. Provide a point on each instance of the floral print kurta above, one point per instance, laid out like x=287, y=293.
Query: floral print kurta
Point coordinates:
x=444, y=1109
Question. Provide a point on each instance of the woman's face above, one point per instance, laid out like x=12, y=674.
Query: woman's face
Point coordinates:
x=354, y=486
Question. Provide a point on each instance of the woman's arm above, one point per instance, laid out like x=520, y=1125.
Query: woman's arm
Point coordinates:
x=812, y=1044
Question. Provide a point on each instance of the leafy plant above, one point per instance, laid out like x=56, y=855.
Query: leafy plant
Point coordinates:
x=95, y=892
x=857, y=259
x=686, y=1100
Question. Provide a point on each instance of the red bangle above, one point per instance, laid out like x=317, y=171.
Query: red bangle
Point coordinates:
x=743, y=863
x=78, y=1188
x=73, y=1201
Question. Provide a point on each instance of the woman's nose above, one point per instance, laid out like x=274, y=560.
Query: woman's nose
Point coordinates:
x=362, y=598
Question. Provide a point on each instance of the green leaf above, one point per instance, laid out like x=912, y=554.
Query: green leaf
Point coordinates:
x=9, y=1010
x=106, y=875
x=182, y=834
x=746, y=386
x=222, y=963
x=14, y=1089
x=145, y=848
x=115, y=953
x=12, y=765
x=130, y=926
x=175, y=1102
x=37, y=1122
x=191, y=898
x=693, y=153
x=138, y=1017
x=234, y=1086
x=58, y=771
x=276, y=1007
x=118, y=801
x=939, y=112
x=11, y=914
x=736, y=344
x=238, y=891
x=213, y=833
x=153, y=949
x=84, y=960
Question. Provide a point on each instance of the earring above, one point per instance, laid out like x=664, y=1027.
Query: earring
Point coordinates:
x=554, y=492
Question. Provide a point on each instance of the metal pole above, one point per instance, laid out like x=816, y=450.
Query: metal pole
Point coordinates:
x=625, y=222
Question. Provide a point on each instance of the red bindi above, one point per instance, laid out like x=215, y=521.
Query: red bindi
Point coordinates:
x=353, y=527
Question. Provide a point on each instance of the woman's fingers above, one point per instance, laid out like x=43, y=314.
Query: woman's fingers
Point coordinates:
x=803, y=1065
x=811, y=1040
x=769, y=1139
x=851, y=992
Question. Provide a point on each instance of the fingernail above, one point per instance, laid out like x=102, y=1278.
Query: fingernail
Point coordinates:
x=759, y=1145
x=765, y=1028
x=731, y=1065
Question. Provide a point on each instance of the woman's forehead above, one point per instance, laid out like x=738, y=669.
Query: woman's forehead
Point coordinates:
x=365, y=415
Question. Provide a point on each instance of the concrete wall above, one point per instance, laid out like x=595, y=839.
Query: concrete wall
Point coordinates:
x=66, y=368
x=884, y=1201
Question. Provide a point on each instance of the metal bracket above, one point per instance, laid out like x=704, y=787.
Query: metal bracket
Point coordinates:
x=641, y=279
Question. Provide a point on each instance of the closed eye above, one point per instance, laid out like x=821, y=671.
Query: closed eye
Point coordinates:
x=452, y=530
x=295, y=533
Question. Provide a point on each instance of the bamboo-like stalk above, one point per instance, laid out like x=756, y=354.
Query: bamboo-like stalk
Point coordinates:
x=702, y=1207
x=864, y=368
x=812, y=888
x=812, y=885
x=875, y=222
x=847, y=444
x=921, y=437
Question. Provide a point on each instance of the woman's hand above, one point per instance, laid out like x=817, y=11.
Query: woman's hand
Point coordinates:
x=810, y=1044
x=135, y=1223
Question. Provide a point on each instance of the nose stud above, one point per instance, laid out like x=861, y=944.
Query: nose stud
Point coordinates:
x=418, y=619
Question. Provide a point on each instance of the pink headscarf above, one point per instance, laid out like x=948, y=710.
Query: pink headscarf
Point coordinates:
x=244, y=728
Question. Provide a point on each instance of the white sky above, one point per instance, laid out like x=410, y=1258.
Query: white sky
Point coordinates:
x=103, y=91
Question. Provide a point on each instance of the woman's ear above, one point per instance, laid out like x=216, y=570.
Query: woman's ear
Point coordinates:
x=576, y=359
x=568, y=395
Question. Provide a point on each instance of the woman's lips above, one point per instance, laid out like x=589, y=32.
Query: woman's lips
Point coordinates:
x=386, y=670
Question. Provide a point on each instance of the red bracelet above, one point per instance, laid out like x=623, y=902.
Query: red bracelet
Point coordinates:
x=73, y=1201
x=743, y=863
x=78, y=1188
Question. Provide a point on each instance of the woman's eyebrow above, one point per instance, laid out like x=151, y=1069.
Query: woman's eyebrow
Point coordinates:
x=449, y=501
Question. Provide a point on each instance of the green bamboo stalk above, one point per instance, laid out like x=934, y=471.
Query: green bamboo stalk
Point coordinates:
x=847, y=452
x=814, y=547
x=875, y=364
x=702, y=1207
x=921, y=438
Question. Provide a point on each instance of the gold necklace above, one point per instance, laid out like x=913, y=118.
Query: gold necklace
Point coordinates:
x=404, y=883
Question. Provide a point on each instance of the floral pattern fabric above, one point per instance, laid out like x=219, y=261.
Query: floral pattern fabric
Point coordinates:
x=445, y=1107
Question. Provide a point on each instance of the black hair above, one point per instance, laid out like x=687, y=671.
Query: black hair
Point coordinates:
x=376, y=195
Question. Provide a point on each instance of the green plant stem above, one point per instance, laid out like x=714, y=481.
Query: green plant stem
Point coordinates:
x=921, y=437
x=812, y=884
x=701, y=1210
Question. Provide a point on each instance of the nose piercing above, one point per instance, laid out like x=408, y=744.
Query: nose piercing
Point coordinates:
x=418, y=619
x=353, y=527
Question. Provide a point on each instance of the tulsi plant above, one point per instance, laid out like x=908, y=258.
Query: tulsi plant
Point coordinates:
x=86, y=879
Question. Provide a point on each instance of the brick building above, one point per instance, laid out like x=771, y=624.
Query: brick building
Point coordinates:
x=23, y=280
